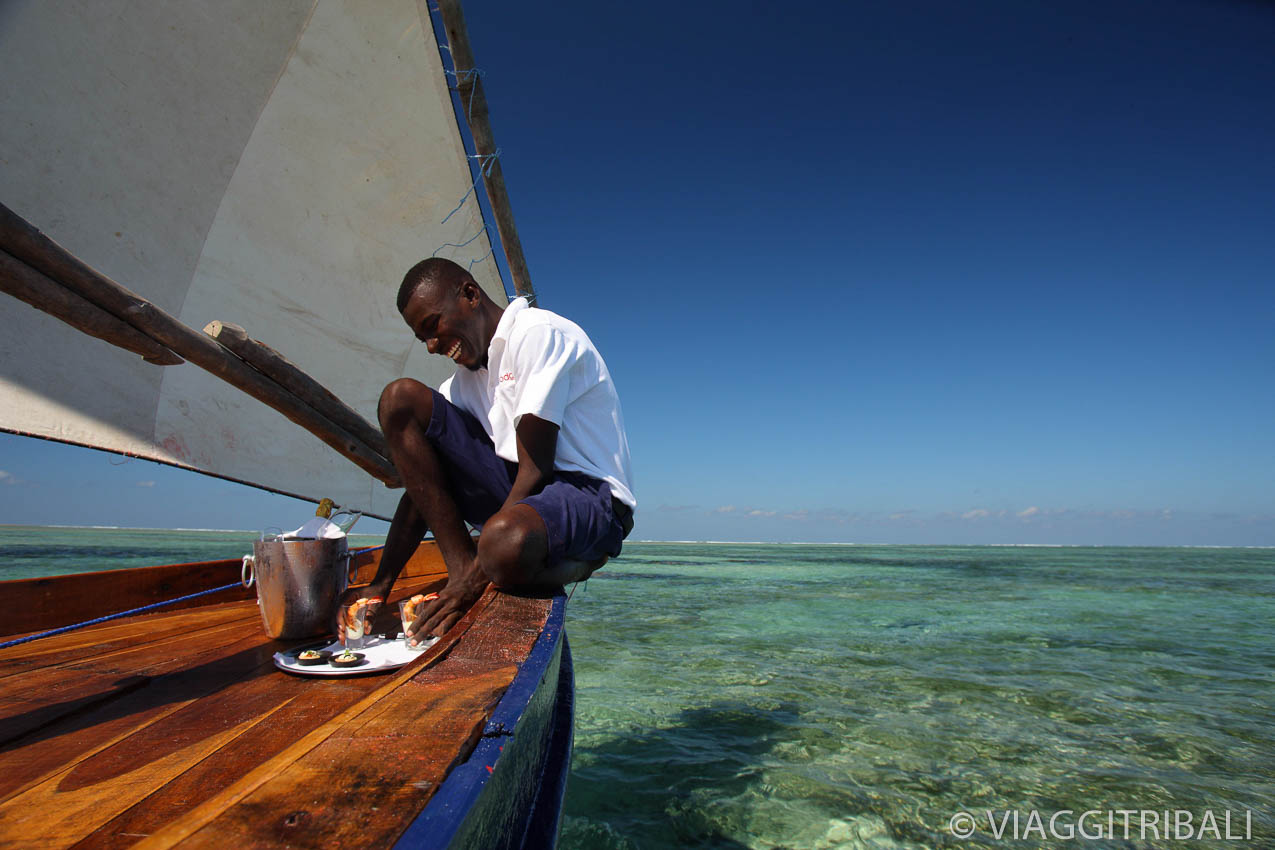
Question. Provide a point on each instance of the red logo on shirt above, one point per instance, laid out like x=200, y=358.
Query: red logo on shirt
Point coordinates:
x=508, y=376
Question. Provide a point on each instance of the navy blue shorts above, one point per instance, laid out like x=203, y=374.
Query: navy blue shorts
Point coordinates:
x=583, y=520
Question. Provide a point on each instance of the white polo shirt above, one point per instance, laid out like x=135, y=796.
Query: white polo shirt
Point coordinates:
x=545, y=365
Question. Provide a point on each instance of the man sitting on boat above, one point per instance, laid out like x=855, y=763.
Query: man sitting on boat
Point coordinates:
x=526, y=440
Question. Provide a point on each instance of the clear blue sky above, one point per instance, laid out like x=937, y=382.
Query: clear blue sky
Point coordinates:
x=879, y=272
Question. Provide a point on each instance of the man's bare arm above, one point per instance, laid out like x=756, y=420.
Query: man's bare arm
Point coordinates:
x=537, y=447
x=406, y=531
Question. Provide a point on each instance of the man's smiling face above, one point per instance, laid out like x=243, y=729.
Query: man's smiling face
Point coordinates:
x=448, y=321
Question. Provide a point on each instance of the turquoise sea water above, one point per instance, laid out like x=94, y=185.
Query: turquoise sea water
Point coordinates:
x=737, y=696
x=780, y=696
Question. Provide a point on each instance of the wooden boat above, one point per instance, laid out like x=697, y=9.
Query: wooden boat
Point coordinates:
x=276, y=166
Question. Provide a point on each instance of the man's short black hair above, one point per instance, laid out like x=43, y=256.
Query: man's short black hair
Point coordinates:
x=433, y=272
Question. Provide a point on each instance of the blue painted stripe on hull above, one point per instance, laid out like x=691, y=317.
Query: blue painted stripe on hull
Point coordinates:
x=546, y=815
x=449, y=819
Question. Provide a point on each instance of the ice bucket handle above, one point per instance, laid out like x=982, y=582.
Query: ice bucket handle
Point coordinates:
x=247, y=575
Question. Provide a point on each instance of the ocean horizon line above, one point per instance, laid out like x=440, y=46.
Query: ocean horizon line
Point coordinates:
x=705, y=542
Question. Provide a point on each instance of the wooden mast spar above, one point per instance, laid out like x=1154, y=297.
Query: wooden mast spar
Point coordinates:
x=470, y=86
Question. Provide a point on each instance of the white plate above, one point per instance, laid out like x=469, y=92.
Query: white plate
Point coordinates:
x=379, y=654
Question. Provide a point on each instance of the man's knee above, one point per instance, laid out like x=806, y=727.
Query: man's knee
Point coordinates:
x=512, y=547
x=404, y=399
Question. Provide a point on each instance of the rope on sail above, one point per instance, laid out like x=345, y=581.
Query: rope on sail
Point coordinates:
x=459, y=244
x=109, y=617
x=486, y=162
x=490, y=251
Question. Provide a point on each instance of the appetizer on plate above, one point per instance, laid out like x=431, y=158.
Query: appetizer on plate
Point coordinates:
x=346, y=659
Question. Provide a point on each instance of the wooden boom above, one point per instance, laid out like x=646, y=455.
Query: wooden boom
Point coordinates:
x=27, y=244
x=282, y=371
x=29, y=285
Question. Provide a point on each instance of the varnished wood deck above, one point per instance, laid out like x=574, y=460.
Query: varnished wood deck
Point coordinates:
x=176, y=728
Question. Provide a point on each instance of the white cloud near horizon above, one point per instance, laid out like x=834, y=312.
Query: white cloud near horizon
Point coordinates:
x=144, y=484
x=916, y=518
x=8, y=478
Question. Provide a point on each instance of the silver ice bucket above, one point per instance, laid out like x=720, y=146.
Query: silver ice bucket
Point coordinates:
x=298, y=584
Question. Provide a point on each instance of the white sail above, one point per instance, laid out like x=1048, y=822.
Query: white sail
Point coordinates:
x=275, y=165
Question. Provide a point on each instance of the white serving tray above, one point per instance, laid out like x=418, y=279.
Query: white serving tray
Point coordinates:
x=380, y=653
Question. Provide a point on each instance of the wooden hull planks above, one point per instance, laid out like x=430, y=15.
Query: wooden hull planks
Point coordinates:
x=175, y=728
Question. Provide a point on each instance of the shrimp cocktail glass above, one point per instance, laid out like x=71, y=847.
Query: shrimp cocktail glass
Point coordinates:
x=408, y=611
x=355, y=624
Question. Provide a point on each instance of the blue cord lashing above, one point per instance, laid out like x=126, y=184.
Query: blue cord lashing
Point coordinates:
x=486, y=162
x=471, y=76
x=480, y=232
x=117, y=616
